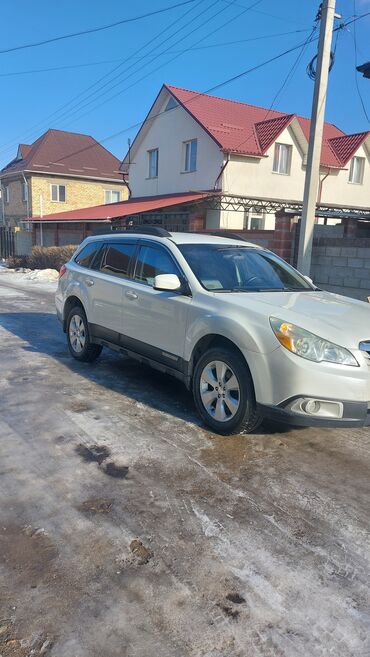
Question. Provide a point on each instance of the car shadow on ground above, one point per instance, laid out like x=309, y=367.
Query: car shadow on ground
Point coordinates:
x=42, y=333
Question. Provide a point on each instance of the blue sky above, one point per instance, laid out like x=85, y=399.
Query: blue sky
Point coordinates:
x=33, y=102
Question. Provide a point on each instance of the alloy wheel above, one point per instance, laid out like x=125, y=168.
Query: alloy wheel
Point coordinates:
x=77, y=333
x=219, y=391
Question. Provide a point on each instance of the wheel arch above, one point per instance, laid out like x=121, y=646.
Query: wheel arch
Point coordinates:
x=70, y=303
x=211, y=341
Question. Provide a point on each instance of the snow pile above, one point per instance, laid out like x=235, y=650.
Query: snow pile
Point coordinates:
x=46, y=275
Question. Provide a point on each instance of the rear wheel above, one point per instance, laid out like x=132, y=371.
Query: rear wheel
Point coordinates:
x=223, y=392
x=78, y=337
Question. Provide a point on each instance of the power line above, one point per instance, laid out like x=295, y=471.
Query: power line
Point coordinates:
x=95, y=29
x=223, y=83
x=356, y=63
x=265, y=13
x=58, y=68
x=8, y=145
x=163, y=64
x=286, y=79
x=113, y=61
x=68, y=113
x=200, y=93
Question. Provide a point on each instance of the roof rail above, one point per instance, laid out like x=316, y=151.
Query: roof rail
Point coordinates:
x=157, y=231
x=230, y=236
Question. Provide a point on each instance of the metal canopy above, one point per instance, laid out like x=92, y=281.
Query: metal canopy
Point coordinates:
x=270, y=206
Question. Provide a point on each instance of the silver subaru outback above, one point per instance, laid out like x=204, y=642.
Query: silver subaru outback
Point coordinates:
x=247, y=333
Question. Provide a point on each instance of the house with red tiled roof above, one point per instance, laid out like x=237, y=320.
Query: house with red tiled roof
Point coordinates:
x=193, y=142
x=59, y=171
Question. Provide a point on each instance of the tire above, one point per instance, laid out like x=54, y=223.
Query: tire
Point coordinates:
x=231, y=407
x=78, y=337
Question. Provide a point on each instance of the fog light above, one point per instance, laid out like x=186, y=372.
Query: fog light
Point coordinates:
x=312, y=406
x=316, y=407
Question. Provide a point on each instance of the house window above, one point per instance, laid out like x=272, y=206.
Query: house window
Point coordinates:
x=282, y=158
x=356, y=171
x=190, y=155
x=111, y=196
x=171, y=104
x=254, y=219
x=153, y=163
x=58, y=193
x=6, y=195
x=24, y=192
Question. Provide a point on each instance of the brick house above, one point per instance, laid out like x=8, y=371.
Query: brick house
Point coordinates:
x=59, y=171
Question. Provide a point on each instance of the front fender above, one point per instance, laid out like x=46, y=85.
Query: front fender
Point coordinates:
x=254, y=337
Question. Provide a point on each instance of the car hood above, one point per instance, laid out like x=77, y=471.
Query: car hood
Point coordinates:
x=339, y=319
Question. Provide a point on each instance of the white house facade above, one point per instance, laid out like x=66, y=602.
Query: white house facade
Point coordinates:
x=192, y=142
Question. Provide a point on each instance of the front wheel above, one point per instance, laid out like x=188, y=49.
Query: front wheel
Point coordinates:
x=223, y=392
x=78, y=337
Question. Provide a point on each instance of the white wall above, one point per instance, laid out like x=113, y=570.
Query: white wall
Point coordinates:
x=252, y=176
x=167, y=132
x=337, y=188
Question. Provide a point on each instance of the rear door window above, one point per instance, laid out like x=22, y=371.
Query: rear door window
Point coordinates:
x=87, y=255
x=151, y=262
x=116, y=259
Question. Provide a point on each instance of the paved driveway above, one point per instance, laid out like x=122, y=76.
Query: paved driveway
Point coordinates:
x=128, y=529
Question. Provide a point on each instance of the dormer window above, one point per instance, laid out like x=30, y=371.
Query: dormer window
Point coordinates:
x=282, y=159
x=356, y=170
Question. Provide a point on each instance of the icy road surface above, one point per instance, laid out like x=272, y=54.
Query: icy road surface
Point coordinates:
x=129, y=530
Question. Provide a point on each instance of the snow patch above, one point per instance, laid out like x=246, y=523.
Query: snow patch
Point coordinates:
x=47, y=275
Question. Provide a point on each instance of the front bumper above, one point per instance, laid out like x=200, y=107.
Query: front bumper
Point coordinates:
x=355, y=414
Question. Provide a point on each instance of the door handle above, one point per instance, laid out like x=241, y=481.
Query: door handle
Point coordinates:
x=131, y=295
x=89, y=282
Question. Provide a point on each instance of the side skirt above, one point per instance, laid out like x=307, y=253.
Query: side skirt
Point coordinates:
x=144, y=353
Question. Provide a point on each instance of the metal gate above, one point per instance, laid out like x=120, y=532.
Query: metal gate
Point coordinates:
x=7, y=242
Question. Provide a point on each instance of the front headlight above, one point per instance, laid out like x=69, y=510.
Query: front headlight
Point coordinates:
x=310, y=346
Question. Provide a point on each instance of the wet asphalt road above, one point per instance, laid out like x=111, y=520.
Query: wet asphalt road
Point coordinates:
x=127, y=529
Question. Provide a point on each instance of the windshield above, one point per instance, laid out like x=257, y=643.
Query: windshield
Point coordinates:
x=241, y=269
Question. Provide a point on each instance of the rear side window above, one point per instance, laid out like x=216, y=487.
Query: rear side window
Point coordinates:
x=151, y=262
x=86, y=256
x=116, y=259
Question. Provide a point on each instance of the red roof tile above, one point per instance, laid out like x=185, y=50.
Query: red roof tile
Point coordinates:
x=123, y=208
x=248, y=129
x=268, y=131
x=346, y=146
x=67, y=153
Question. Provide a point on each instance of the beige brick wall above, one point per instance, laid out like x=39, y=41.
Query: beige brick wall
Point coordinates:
x=16, y=209
x=79, y=193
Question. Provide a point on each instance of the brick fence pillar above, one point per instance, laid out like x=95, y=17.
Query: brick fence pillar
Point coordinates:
x=282, y=238
x=197, y=222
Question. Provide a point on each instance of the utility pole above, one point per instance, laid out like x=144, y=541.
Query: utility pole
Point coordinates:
x=312, y=178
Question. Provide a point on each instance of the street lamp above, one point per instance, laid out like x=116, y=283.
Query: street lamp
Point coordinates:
x=364, y=69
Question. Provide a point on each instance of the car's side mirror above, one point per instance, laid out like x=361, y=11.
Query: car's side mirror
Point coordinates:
x=309, y=280
x=167, y=282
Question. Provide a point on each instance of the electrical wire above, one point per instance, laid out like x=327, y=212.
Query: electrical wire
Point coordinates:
x=114, y=61
x=95, y=29
x=119, y=93
x=200, y=93
x=219, y=85
x=290, y=74
x=356, y=63
x=8, y=145
x=68, y=113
